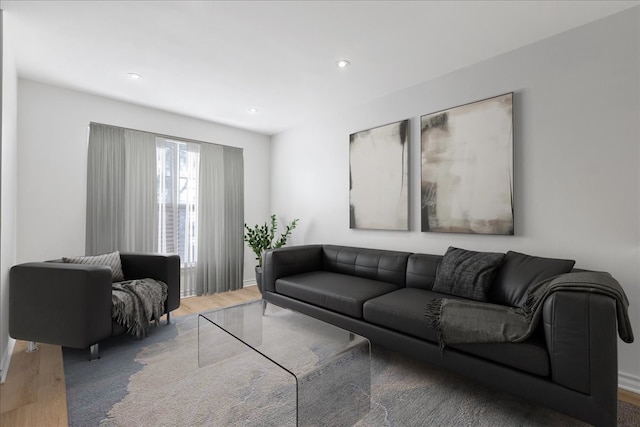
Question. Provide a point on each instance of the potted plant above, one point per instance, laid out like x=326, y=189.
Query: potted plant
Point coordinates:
x=263, y=237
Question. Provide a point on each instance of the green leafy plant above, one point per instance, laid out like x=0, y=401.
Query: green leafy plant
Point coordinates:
x=263, y=237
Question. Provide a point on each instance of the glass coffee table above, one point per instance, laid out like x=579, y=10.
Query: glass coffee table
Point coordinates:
x=306, y=371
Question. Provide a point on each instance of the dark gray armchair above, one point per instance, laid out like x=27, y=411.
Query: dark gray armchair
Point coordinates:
x=70, y=304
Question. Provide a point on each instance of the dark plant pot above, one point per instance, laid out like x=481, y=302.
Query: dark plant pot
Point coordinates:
x=259, y=278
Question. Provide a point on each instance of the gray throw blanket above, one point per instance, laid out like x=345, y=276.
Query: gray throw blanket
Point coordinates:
x=136, y=302
x=466, y=321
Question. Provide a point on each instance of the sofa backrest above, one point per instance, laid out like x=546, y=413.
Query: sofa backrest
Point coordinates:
x=514, y=276
x=385, y=266
x=421, y=270
x=520, y=271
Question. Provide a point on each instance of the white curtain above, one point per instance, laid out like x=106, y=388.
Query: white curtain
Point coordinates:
x=121, y=190
x=221, y=219
x=105, y=189
x=140, y=193
x=149, y=193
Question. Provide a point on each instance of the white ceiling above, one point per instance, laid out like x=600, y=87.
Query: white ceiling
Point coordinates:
x=214, y=60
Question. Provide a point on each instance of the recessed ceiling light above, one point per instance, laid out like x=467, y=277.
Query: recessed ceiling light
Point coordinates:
x=134, y=76
x=343, y=63
x=252, y=110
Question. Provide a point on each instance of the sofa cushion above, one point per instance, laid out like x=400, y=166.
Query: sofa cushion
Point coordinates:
x=338, y=292
x=111, y=260
x=386, y=266
x=421, y=270
x=403, y=310
x=530, y=355
x=467, y=273
x=519, y=271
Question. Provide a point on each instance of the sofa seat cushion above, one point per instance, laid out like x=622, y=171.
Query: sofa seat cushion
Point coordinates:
x=403, y=310
x=530, y=355
x=334, y=291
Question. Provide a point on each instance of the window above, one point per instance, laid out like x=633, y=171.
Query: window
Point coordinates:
x=153, y=193
x=178, y=167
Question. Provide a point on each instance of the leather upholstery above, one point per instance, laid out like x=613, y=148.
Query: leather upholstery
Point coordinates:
x=569, y=365
x=527, y=356
x=422, y=270
x=518, y=272
x=572, y=349
x=403, y=311
x=339, y=292
x=288, y=261
x=63, y=304
x=70, y=304
x=156, y=266
x=593, y=408
x=385, y=266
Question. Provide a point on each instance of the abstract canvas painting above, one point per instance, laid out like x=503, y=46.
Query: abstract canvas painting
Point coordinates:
x=467, y=168
x=378, y=192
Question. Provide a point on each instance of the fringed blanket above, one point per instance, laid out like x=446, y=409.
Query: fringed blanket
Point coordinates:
x=466, y=321
x=136, y=302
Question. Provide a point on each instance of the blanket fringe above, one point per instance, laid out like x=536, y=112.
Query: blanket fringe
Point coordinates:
x=136, y=302
x=529, y=306
x=432, y=313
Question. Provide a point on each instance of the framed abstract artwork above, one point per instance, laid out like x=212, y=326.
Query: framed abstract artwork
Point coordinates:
x=467, y=168
x=378, y=187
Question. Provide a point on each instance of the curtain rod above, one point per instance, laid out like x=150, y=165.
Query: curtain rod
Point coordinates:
x=159, y=135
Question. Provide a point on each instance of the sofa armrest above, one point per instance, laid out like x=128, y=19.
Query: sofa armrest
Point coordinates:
x=155, y=266
x=286, y=261
x=62, y=304
x=581, y=335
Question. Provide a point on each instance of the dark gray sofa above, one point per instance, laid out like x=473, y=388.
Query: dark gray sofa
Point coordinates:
x=70, y=304
x=569, y=364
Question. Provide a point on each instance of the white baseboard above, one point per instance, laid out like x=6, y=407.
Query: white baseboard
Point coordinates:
x=629, y=382
x=6, y=360
x=249, y=283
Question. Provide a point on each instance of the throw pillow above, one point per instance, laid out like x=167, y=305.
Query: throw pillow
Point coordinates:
x=519, y=271
x=110, y=260
x=466, y=273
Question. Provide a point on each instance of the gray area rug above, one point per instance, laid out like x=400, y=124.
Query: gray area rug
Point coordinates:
x=157, y=382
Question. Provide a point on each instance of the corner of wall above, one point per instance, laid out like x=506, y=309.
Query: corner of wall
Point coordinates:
x=6, y=360
x=8, y=190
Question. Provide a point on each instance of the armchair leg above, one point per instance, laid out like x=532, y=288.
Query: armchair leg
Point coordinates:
x=93, y=352
x=264, y=306
x=168, y=317
x=32, y=346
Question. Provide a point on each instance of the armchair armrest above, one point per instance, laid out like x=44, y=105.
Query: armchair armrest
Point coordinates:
x=155, y=266
x=287, y=261
x=581, y=335
x=62, y=304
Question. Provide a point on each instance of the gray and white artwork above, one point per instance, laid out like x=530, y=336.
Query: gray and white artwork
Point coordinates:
x=467, y=168
x=378, y=178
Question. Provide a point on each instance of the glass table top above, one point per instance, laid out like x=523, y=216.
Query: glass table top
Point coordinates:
x=321, y=373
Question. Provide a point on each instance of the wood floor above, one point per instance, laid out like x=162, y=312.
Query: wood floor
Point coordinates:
x=34, y=393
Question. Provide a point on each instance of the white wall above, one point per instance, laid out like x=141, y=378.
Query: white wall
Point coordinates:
x=577, y=159
x=52, y=163
x=8, y=193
